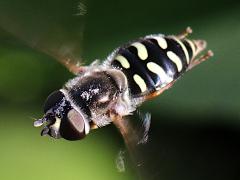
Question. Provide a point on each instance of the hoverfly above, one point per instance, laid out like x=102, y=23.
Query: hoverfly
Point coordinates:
x=107, y=92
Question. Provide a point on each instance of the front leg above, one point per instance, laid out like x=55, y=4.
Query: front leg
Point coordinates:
x=74, y=67
x=185, y=33
x=201, y=59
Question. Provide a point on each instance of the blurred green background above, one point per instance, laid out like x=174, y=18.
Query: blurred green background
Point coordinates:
x=195, y=130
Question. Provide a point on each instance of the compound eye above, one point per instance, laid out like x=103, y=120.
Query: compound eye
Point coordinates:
x=73, y=126
x=54, y=98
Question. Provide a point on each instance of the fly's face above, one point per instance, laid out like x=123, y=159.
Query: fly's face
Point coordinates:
x=61, y=119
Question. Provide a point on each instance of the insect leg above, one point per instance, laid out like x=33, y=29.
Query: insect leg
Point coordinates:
x=201, y=59
x=126, y=130
x=93, y=125
x=135, y=135
x=73, y=67
x=185, y=33
x=143, y=130
x=160, y=91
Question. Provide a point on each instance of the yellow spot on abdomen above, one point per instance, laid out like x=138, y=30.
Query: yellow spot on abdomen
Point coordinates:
x=174, y=58
x=161, y=42
x=124, y=62
x=183, y=48
x=192, y=46
x=140, y=82
x=155, y=68
x=142, y=50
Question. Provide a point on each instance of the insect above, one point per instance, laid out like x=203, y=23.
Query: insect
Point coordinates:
x=107, y=92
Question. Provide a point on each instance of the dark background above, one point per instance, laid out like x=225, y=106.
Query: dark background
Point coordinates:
x=195, y=130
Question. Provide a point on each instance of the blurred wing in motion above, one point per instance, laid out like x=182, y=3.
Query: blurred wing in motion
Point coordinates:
x=143, y=130
x=120, y=161
x=53, y=27
x=135, y=134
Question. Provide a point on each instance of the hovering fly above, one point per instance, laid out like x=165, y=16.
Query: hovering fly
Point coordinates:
x=101, y=93
x=107, y=92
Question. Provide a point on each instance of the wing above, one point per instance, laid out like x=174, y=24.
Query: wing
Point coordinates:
x=53, y=27
x=135, y=134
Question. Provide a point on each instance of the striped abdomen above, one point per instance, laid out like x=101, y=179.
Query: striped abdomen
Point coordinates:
x=153, y=62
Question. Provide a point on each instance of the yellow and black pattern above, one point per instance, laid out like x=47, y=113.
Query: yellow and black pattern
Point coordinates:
x=152, y=62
